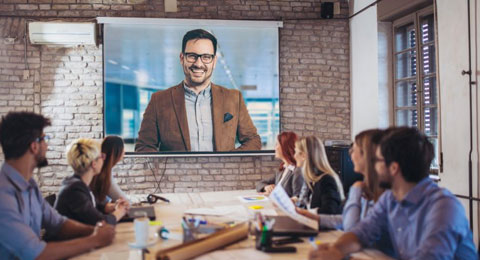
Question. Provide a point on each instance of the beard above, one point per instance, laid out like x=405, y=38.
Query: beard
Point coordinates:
x=385, y=185
x=41, y=161
x=385, y=181
x=192, y=80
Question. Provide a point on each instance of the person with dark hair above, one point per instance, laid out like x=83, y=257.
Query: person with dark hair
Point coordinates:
x=75, y=198
x=363, y=194
x=23, y=210
x=289, y=175
x=197, y=115
x=423, y=220
x=103, y=184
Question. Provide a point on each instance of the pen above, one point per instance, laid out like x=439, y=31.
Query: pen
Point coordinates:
x=312, y=242
x=185, y=223
x=201, y=222
x=262, y=239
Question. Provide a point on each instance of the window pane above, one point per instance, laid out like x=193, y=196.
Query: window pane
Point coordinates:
x=406, y=64
x=426, y=25
x=434, y=141
x=430, y=91
x=406, y=93
x=431, y=120
x=404, y=37
x=428, y=56
x=407, y=118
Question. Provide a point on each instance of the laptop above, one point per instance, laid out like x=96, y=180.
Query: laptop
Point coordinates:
x=131, y=214
x=285, y=226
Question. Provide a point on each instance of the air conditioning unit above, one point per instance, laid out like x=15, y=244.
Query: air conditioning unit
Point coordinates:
x=62, y=33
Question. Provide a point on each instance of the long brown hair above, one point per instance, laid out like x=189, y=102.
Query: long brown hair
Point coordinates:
x=316, y=164
x=113, y=147
x=368, y=141
x=287, y=140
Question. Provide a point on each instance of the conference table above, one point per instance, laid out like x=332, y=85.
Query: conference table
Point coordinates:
x=170, y=215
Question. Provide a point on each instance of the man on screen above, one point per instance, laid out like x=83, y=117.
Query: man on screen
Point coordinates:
x=197, y=115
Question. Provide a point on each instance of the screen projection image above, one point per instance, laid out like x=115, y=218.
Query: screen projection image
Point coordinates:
x=141, y=59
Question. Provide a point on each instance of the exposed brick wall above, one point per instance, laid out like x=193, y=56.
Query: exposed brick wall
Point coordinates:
x=206, y=9
x=65, y=84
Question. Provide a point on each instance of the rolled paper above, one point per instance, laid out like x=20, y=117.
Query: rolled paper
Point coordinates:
x=204, y=245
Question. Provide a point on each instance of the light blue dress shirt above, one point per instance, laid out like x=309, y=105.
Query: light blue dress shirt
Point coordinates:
x=429, y=223
x=199, y=118
x=356, y=208
x=23, y=213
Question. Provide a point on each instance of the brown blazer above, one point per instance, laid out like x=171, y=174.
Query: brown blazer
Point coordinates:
x=165, y=128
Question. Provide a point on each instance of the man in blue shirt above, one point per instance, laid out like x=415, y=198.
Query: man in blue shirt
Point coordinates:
x=423, y=220
x=23, y=211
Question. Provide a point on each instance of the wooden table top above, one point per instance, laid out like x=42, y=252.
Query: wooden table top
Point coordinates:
x=170, y=215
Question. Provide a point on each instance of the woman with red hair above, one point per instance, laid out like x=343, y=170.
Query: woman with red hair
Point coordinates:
x=289, y=175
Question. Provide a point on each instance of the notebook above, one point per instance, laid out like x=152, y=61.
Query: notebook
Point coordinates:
x=286, y=226
x=130, y=216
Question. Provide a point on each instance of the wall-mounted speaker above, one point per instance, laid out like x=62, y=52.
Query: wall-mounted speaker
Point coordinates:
x=326, y=10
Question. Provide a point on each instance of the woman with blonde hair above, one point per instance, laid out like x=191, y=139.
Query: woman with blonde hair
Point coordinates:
x=362, y=194
x=323, y=189
x=75, y=199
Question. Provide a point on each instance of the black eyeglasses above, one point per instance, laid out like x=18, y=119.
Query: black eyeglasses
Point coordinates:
x=192, y=57
x=45, y=138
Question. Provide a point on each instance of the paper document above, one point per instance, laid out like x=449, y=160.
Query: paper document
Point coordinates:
x=252, y=198
x=280, y=198
x=232, y=211
x=235, y=254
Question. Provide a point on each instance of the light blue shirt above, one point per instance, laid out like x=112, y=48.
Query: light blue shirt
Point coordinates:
x=23, y=213
x=356, y=208
x=429, y=223
x=199, y=118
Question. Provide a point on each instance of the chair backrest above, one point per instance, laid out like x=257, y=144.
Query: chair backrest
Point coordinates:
x=51, y=199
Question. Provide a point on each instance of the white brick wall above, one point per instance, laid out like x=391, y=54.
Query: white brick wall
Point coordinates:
x=65, y=84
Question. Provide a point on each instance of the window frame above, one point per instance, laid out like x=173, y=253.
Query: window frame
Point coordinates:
x=415, y=18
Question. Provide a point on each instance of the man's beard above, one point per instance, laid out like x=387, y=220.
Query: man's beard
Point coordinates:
x=385, y=185
x=41, y=161
x=385, y=181
x=190, y=77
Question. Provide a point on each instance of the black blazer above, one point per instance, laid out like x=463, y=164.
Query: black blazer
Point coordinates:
x=324, y=196
x=292, y=183
x=75, y=201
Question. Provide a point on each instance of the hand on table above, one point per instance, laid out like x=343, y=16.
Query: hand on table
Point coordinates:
x=121, y=209
x=103, y=234
x=268, y=189
x=122, y=202
x=307, y=214
x=294, y=199
x=109, y=207
x=325, y=251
